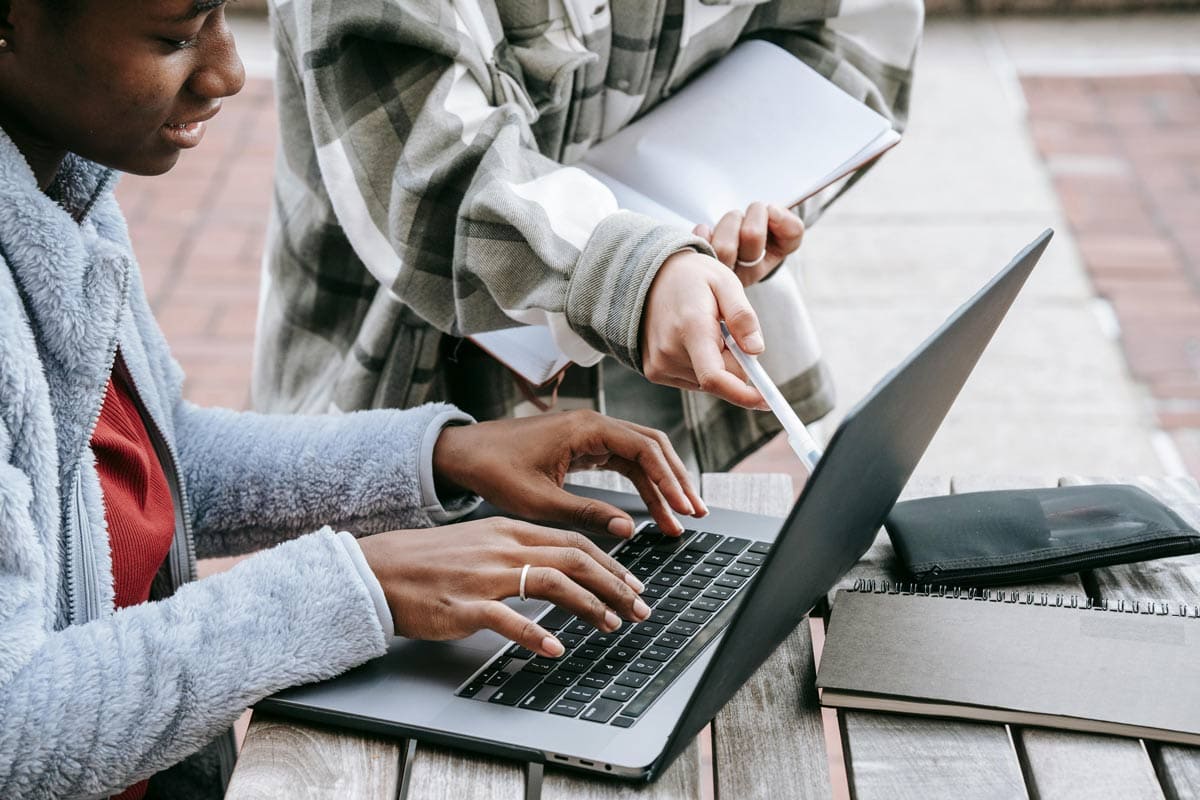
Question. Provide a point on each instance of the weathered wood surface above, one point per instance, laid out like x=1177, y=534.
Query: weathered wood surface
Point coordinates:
x=440, y=773
x=768, y=740
x=1173, y=579
x=282, y=758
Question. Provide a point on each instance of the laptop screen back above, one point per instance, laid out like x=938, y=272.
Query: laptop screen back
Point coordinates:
x=857, y=481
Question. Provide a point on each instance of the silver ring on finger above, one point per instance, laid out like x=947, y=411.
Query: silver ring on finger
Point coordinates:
x=748, y=264
x=524, y=576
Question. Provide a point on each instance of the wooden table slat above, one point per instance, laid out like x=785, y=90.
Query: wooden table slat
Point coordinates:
x=1173, y=579
x=768, y=741
x=442, y=772
x=285, y=758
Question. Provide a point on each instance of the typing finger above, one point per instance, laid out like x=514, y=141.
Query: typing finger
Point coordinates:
x=675, y=462
x=495, y=616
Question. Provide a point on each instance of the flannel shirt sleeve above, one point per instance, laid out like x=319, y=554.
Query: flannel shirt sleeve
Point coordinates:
x=425, y=151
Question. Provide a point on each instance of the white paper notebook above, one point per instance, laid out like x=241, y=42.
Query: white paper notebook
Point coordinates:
x=758, y=125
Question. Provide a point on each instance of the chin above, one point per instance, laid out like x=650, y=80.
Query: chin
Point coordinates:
x=157, y=165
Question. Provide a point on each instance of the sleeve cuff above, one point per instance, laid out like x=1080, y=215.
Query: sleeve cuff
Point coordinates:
x=378, y=598
x=459, y=506
x=613, y=276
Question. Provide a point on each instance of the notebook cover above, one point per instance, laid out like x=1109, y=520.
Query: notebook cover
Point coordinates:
x=1103, y=665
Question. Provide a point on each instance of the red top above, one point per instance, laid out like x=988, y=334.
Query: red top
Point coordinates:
x=137, y=504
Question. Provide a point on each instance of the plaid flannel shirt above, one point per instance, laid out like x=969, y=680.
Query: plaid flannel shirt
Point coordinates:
x=423, y=190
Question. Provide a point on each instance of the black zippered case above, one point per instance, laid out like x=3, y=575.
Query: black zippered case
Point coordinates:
x=1021, y=535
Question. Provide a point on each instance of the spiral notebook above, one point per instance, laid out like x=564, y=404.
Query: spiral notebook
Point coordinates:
x=1125, y=668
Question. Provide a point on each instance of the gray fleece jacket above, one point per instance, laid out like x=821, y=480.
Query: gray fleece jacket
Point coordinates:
x=92, y=699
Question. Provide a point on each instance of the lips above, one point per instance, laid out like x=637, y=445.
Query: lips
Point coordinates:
x=188, y=133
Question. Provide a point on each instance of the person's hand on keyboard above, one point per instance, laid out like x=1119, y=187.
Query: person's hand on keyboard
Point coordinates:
x=519, y=465
x=448, y=582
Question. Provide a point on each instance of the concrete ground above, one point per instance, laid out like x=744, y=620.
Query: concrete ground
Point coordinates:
x=965, y=190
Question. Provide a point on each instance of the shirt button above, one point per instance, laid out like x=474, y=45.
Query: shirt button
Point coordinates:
x=623, y=84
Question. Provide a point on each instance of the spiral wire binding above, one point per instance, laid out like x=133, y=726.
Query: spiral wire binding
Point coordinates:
x=1159, y=608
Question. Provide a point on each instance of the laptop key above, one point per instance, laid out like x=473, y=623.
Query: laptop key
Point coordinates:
x=540, y=666
x=619, y=693
x=688, y=557
x=555, y=619
x=643, y=570
x=541, y=697
x=685, y=593
x=517, y=687
x=658, y=653
x=695, y=616
x=496, y=677
x=635, y=642
x=567, y=708
x=719, y=593
x=580, y=694
x=634, y=680
x=595, y=680
x=471, y=689
x=730, y=581
x=733, y=545
x=741, y=570
x=720, y=559
x=672, y=605
x=645, y=666
x=516, y=651
x=624, y=722
x=609, y=667
x=575, y=665
x=664, y=579
x=670, y=640
x=560, y=678
x=655, y=591
x=704, y=542
x=601, y=711
x=655, y=557
x=752, y=558
x=623, y=654
x=651, y=629
x=589, y=652
x=708, y=604
x=678, y=569
x=603, y=639
x=697, y=581
x=568, y=640
x=708, y=570
x=580, y=627
x=683, y=629
x=762, y=548
x=661, y=616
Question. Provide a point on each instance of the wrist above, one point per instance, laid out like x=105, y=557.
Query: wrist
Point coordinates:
x=450, y=457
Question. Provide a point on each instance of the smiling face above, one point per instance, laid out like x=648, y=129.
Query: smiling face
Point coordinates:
x=125, y=83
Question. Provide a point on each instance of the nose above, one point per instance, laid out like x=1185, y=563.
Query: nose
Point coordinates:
x=220, y=72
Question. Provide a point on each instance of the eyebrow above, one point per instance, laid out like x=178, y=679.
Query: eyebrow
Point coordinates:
x=199, y=7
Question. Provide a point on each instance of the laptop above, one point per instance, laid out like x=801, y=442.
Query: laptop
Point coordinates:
x=723, y=597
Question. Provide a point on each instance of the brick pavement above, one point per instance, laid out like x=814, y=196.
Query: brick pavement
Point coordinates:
x=1124, y=156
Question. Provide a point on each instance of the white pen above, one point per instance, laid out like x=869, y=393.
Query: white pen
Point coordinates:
x=801, y=441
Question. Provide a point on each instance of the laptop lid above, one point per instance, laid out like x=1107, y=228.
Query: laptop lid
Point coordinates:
x=857, y=481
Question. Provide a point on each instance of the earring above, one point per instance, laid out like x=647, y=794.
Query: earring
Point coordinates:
x=3, y=44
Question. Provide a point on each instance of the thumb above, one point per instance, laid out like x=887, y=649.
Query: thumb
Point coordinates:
x=584, y=513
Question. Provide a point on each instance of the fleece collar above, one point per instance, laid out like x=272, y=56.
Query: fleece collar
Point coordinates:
x=70, y=258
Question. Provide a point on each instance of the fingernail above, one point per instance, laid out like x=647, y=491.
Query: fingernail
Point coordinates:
x=754, y=343
x=634, y=583
x=611, y=620
x=619, y=526
x=678, y=526
x=640, y=609
x=703, y=508
x=553, y=647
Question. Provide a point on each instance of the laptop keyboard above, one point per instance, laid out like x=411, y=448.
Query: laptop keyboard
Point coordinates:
x=693, y=585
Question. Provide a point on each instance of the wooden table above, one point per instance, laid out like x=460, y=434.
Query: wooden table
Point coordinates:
x=769, y=741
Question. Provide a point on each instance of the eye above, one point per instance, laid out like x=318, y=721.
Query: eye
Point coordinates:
x=182, y=44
